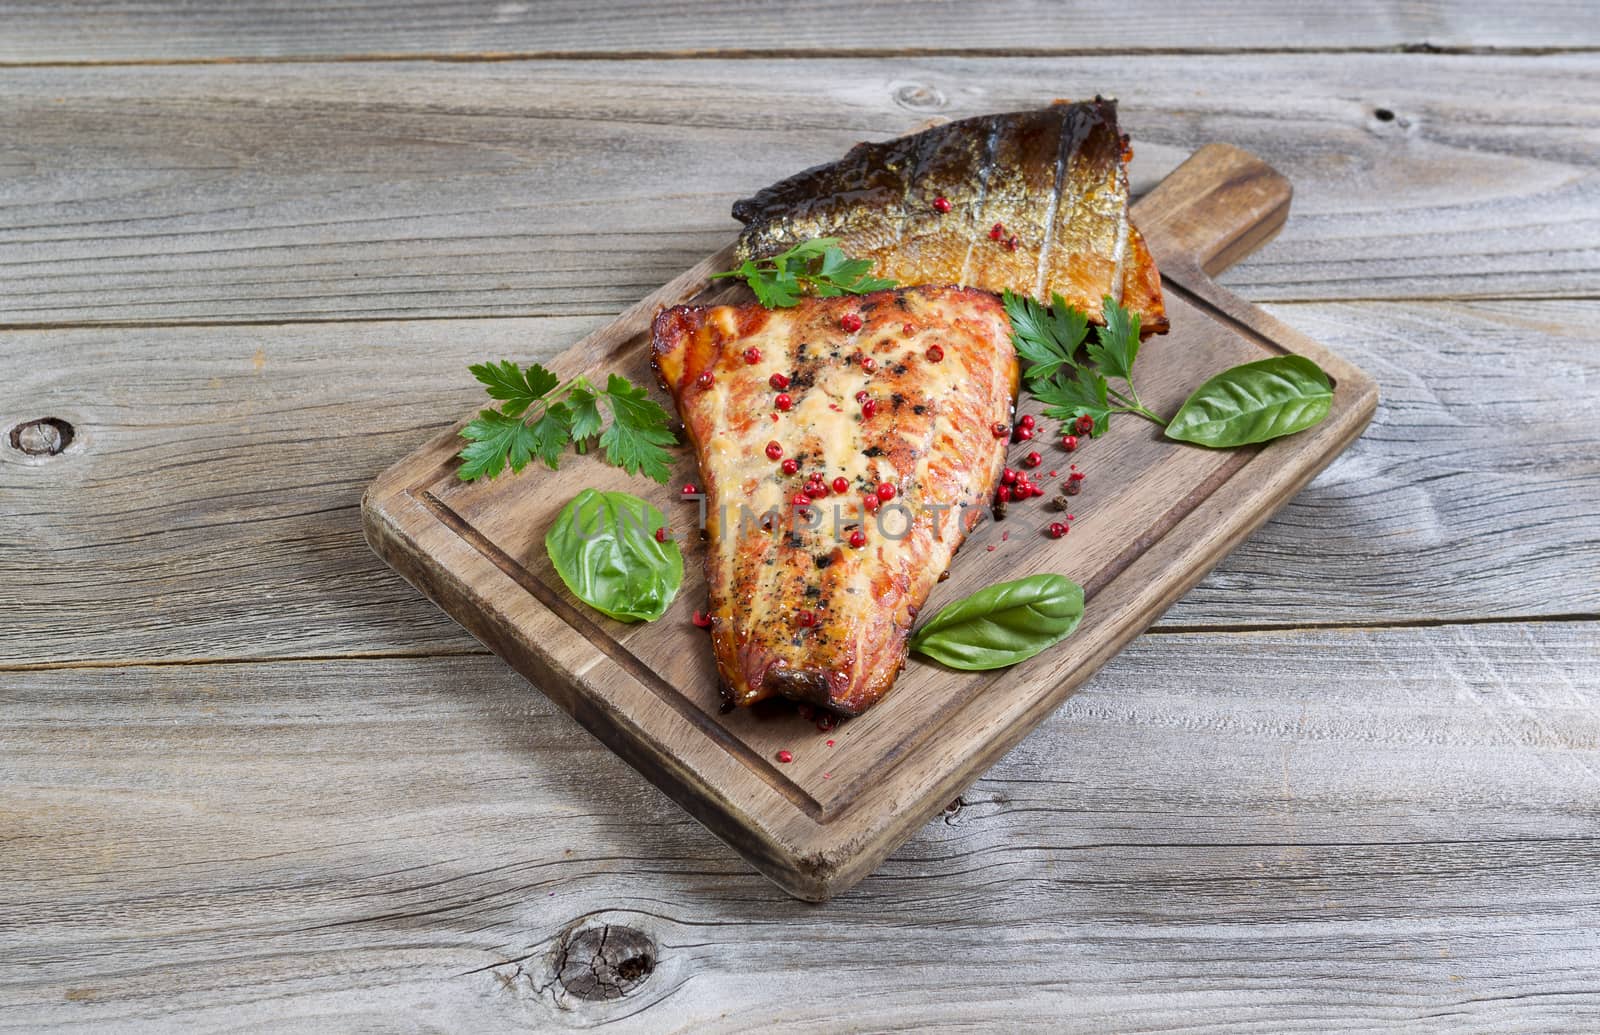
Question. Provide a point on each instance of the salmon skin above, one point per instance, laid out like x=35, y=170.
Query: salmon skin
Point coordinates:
x=1033, y=201
x=813, y=594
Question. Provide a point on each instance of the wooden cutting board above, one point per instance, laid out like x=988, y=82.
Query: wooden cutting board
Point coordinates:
x=1153, y=517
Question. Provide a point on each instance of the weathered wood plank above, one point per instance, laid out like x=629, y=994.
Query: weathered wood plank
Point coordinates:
x=1222, y=832
x=208, y=504
x=335, y=191
x=122, y=31
x=1475, y=491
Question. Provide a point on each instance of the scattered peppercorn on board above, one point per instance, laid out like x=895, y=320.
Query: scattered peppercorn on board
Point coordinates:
x=816, y=809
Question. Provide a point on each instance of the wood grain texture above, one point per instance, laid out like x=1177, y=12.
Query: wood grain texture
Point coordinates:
x=1271, y=832
x=208, y=506
x=340, y=191
x=1222, y=832
x=117, y=30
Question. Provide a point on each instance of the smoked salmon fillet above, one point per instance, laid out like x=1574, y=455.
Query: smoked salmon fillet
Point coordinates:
x=1031, y=201
x=846, y=448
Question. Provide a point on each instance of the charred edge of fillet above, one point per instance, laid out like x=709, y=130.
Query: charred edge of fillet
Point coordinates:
x=806, y=685
x=817, y=181
x=799, y=684
x=657, y=348
x=805, y=185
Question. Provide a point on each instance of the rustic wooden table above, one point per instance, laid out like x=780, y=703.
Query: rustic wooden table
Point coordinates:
x=250, y=778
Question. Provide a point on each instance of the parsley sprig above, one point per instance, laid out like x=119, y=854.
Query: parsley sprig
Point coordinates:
x=1246, y=404
x=1049, y=340
x=815, y=267
x=539, y=415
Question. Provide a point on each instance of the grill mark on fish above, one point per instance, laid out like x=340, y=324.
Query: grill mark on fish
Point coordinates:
x=1119, y=255
x=1043, y=270
x=980, y=213
x=905, y=197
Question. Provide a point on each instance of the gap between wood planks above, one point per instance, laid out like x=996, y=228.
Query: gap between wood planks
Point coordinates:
x=834, y=54
x=1237, y=629
x=148, y=325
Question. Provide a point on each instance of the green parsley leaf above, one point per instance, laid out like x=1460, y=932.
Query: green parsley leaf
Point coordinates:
x=744, y=270
x=775, y=289
x=1045, y=341
x=584, y=407
x=517, y=388
x=867, y=285
x=816, y=267
x=808, y=250
x=833, y=260
x=1069, y=326
x=546, y=438
x=493, y=436
x=1117, y=345
x=1048, y=338
x=849, y=274
x=538, y=417
x=638, y=434
x=1083, y=395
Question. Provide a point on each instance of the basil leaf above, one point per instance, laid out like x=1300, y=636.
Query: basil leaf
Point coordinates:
x=1002, y=624
x=1254, y=402
x=603, y=546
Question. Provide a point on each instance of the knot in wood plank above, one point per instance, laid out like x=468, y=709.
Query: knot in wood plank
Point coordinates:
x=46, y=436
x=1386, y=122
x=919, y=97
x=605, y=962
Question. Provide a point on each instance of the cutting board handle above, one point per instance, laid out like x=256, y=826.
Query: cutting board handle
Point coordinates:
x=1214, y=209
